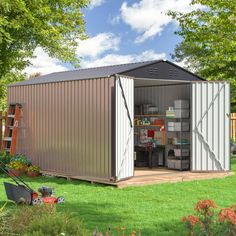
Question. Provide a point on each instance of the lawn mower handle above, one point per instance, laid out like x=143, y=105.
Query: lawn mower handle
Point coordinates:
x=15, y=178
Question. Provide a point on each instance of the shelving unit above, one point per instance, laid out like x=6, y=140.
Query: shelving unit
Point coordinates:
x=180, y=162
x=179, y=149
x=147, y=126
x=146, y=156
x=152, y=115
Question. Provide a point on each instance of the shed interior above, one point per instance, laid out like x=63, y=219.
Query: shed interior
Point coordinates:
x=162, y=118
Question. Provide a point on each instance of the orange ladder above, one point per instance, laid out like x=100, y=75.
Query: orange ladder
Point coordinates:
x=11, y=128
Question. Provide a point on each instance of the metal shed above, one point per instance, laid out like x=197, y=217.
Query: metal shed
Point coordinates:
x=80, y=123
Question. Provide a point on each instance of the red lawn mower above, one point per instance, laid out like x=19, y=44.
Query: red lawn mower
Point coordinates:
x=22, y=193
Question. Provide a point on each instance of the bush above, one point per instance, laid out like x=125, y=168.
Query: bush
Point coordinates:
x=5, y=158
x=33, y=169
x=42, y=220
x=3, y=220
x=56, y=224
x=15, y=165
x=206, y=222
x=22, y=159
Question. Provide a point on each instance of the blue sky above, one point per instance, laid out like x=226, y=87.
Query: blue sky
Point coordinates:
x=109, y=11
x=121, y=31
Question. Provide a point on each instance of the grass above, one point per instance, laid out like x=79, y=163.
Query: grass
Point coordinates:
x=155, y=210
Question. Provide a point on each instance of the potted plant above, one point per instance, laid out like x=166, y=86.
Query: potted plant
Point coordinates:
x=32, y=171
x=23, y=160
x=15, y=168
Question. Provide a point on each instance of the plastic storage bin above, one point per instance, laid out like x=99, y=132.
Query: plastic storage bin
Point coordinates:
x=181, y=152
x=181, y=104
x=171, y=126
x=181, y=113
x=178, y=164
x=181, y=126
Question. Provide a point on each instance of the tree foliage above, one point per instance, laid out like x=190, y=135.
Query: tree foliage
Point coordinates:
x=8, y=78
x=54, y=25
x=209, y=40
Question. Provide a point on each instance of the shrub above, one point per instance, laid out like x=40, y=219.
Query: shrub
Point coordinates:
x=22, y=159
x=5, y=158
x=56, y=224
x=3, y=220
x=44, y=220
x=207, y=223
x=33, y=169
x=227, y=218
x=15, y=165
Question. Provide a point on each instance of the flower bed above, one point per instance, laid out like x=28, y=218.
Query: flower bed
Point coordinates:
x=207, y=222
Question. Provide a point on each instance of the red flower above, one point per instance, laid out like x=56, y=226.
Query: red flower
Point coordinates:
x=228, y=215
x=205, y=207
x=191, y=219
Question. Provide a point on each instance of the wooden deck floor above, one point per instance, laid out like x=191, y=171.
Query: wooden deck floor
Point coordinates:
x=157, y=176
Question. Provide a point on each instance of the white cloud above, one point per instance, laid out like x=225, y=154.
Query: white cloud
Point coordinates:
x=43, y=63
x=97, y=45
x=113, y=59
x=185, y=64
x=148, y=17
x=95, y=3
x=114, y=20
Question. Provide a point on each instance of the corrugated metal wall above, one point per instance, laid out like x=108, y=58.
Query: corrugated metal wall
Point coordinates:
x=210, y=126
x=161, y=96
x=66, y=127
x=124, y=131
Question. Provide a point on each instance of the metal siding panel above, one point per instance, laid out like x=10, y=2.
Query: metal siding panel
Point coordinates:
x=124, y=133
x=210, y=123
x=59, y=126
x=161, y=96
x=204, y=161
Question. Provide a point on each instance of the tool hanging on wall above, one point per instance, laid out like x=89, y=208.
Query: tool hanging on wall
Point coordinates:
x=11, y=128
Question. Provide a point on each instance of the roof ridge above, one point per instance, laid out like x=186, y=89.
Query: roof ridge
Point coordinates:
x=115, y=65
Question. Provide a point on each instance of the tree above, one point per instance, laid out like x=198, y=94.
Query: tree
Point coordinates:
x=209, y=40
x=56, y=26
x=8, y=78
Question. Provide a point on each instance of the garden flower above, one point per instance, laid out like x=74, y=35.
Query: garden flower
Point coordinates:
x=191, y=219
x=228, y=215
x=205, y=207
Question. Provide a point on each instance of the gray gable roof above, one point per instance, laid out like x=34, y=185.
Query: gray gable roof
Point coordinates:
x=138, y=69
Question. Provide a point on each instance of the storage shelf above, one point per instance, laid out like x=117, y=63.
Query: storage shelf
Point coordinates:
x=151, y=115
x=178, y=131
x=167, y=117
x=183, y=144
x=148, y=125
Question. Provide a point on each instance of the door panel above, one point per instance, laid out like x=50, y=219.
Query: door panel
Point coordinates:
x=210, y=126
x=124, y=127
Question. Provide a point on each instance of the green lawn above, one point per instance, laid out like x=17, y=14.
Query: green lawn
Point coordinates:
x=156, y=210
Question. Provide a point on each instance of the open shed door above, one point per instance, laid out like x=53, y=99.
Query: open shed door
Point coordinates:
x=210, y=126
x=124, y=95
